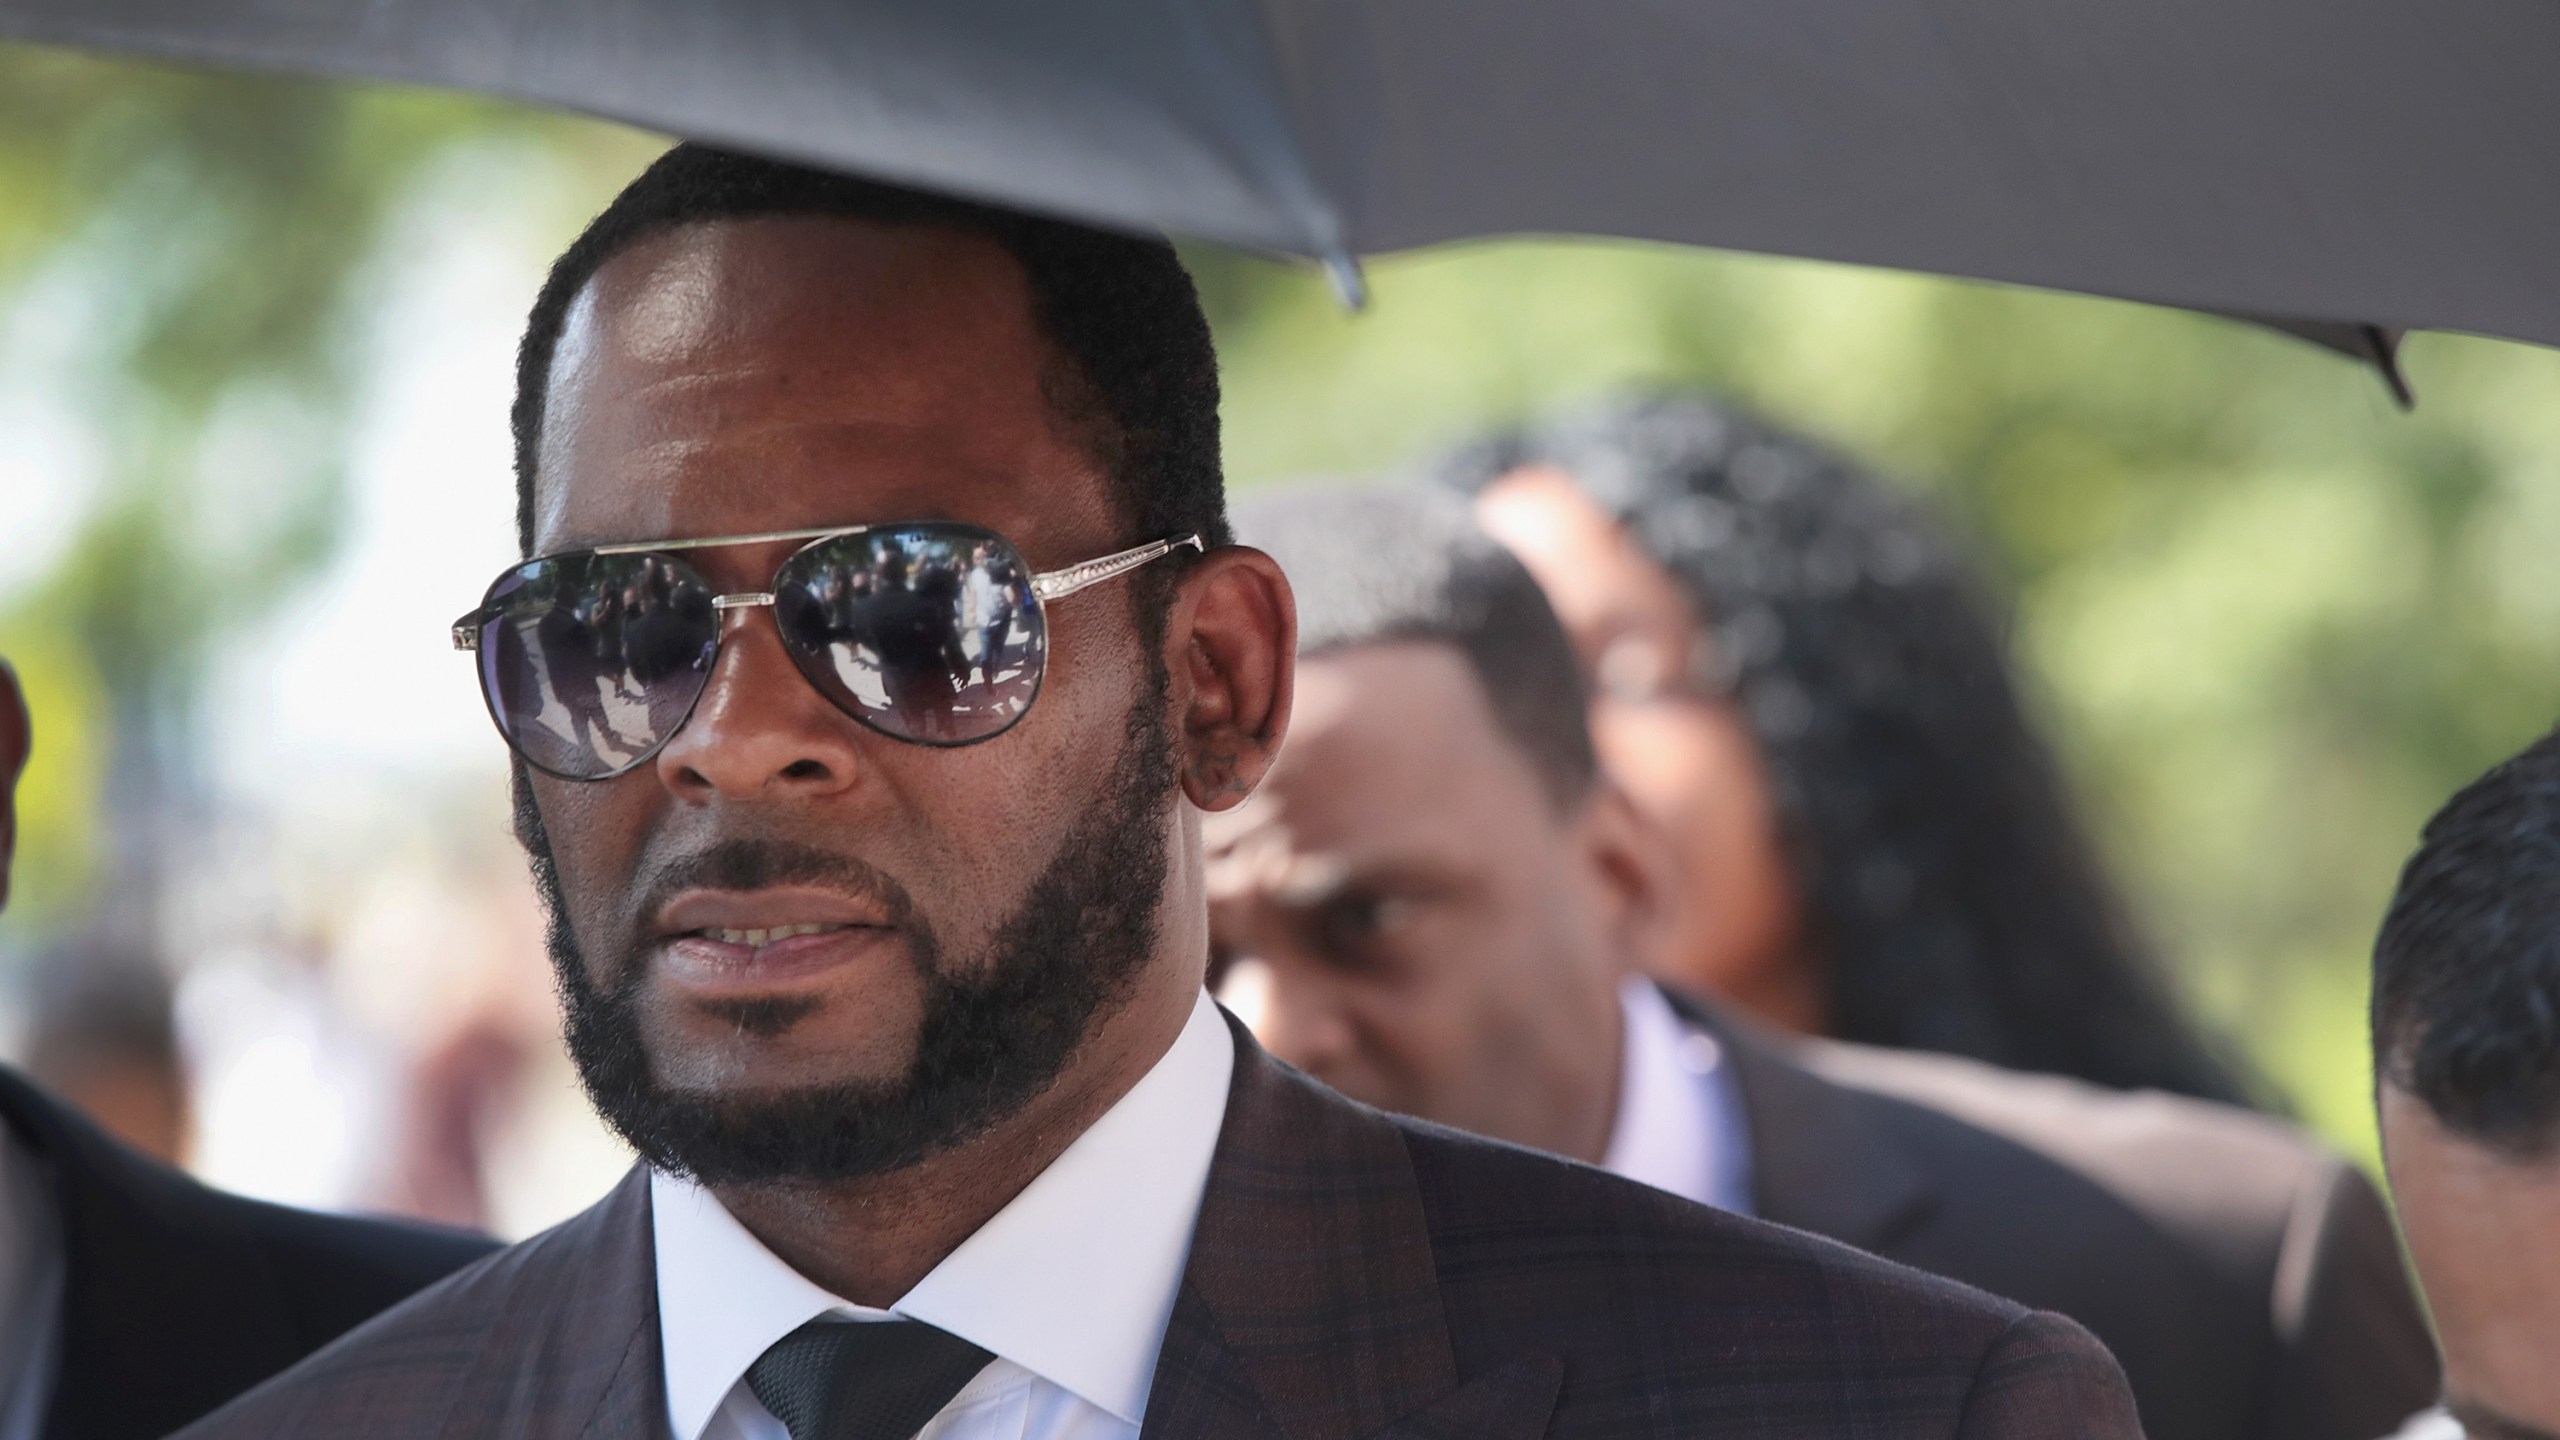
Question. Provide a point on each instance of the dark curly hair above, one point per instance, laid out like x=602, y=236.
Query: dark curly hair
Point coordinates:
x=1949, y=887
x=2466, y=972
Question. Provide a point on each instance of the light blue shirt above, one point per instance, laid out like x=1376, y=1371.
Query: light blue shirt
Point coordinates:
x=1680, y=1124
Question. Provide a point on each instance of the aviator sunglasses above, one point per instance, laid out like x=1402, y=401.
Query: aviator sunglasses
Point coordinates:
x=930, y=632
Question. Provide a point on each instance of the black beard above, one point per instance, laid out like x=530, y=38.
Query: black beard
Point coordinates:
x=987, y=1046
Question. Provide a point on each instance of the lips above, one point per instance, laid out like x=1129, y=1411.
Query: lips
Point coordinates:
x=756, y=938
x=693, y=912
x=743, y=942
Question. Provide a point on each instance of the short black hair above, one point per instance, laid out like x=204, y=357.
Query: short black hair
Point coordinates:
x=1137, y=375
x=1956, y=900
x=2466, y=972
x=1375, y=567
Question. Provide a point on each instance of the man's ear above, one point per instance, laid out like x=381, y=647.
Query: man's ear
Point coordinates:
x=1630, y=863
x=1232, y=644
x=17, y=737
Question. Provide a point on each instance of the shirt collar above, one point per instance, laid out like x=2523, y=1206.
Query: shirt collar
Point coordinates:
x=1073, y=1281
x=1680, y=1125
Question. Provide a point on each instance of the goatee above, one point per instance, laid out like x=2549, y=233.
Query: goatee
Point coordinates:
x=996, y=1032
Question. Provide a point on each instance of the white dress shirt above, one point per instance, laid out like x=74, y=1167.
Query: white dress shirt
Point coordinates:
x=31, y=1277
x=1070, y=1286
x=1680, y=1124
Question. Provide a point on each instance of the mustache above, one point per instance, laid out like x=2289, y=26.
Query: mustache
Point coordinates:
x=745, y=864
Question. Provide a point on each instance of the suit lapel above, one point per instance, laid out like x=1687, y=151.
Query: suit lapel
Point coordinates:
x=1310, y=1308
x=574, y=1350
x=1511, y=1403
x=1819, y=1161
x=1200, y=1387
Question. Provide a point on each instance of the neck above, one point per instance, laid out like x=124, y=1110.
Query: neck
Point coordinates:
x=1551, y=1083
x=871, y=1240
x=1602, y=1086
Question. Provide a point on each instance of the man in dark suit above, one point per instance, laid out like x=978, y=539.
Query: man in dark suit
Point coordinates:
x=906, y=1014
x=132, y=1299
x=1436, y=904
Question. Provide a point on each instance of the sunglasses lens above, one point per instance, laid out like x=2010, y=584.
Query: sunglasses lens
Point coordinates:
x=591, y=661
x=927, y=633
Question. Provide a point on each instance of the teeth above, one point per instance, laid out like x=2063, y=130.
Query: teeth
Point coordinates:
x=753, y=938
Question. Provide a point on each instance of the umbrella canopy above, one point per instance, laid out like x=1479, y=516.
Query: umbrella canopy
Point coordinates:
x=2354, y=166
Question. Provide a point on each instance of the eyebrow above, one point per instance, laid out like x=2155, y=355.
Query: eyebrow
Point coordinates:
x=1311, y=882
x=1395, y=877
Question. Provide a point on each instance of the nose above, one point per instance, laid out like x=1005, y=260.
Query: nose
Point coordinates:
x=760, y=732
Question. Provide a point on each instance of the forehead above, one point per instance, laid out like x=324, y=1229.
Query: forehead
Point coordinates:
x=1594, y=573
x=1392, y=748
x=737, y=376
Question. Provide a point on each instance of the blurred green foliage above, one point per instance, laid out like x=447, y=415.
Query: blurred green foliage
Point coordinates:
x=2273, y=620
x=184, y=261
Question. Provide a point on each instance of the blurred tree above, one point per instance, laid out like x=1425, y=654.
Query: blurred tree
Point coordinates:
x=182, y=258
x=2273, y=620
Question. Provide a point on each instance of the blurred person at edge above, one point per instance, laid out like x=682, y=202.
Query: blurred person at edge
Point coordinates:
x=895, y=979
x=1436, y=903
x=2466, y=1051
x=102, y=1036
x=133, y=1299
x=1800, y=678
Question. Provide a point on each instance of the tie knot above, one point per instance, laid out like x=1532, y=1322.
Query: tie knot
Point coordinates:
x=862, y=1379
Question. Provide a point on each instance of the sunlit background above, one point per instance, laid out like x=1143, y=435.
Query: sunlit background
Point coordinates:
x=255, y=353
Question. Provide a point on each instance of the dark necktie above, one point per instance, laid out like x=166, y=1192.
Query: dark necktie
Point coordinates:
x=862, y=1379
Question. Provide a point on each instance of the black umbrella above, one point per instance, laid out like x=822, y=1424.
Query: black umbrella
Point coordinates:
x=2356, y=166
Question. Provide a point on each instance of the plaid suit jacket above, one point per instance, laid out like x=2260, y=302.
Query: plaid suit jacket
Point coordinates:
x=1353, y=1277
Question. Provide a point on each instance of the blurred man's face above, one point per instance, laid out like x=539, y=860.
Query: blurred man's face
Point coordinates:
x=795, y=948
x=16, y=739
x=1402, y=911
x=1688, y=761
x=2484, y=1232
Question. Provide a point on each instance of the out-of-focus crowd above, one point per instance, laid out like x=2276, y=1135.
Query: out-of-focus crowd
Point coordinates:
x=391, y=1046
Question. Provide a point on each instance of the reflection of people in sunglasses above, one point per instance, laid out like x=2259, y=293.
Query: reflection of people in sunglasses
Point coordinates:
x=915, y=1034
x=986, y=609
x=908, y=623
x=663, y=620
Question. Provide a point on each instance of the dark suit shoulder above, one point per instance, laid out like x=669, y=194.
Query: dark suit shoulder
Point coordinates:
x=2229, y=1178
x=416, y=1368
x=179, y=1296
x=1484, y=1197
x=1697, y=1318
x=333, y=1272
x=2247, y=1276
